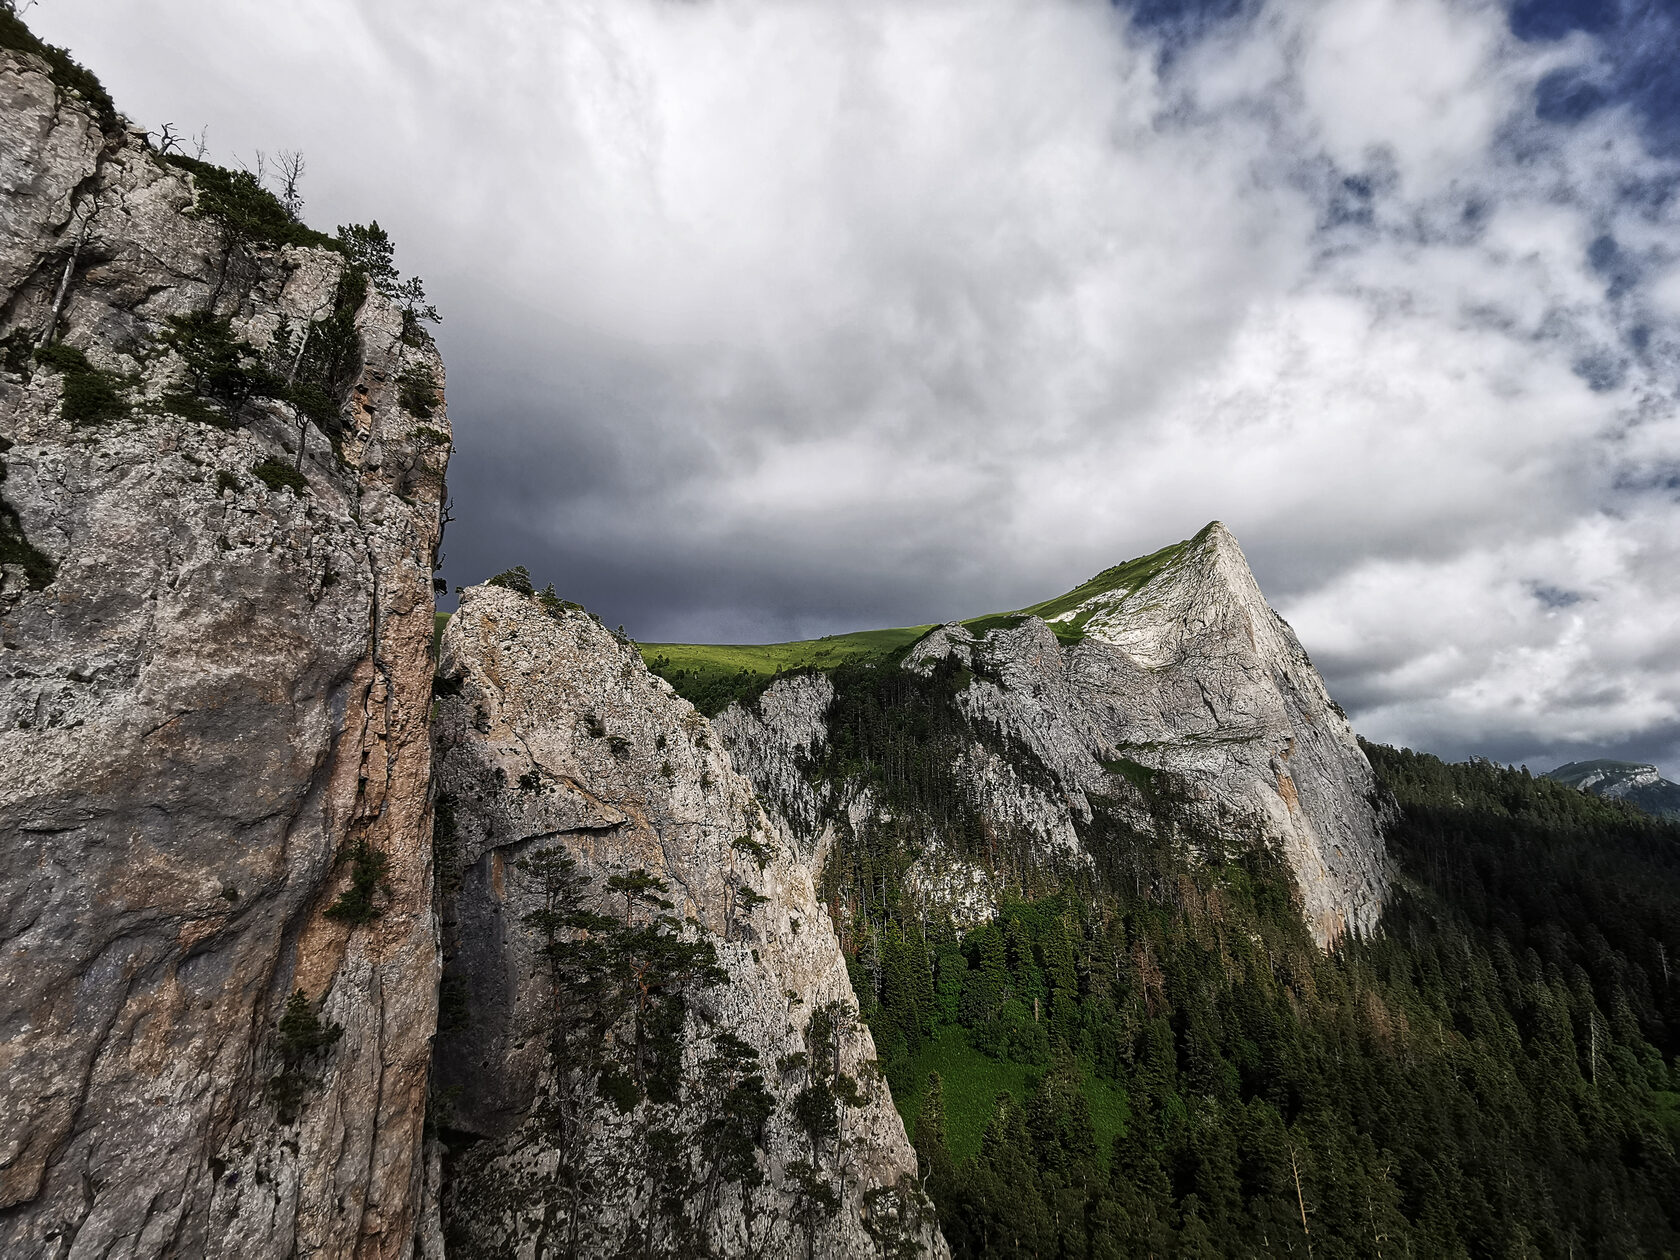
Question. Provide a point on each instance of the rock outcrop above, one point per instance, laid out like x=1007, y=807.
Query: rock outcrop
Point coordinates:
x=214, y=689
x=1184, y=671
x=552, y=732
x=1638, y=783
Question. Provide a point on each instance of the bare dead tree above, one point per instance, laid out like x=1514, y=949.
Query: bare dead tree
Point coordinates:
x=69, y=270
x=290, y=162
x=291, y=379
x=446, y=514
x=169, y=139
x=1300, y=1198
x=201, y=143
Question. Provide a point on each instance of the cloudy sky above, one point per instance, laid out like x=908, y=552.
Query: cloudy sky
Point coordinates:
x=772, y=318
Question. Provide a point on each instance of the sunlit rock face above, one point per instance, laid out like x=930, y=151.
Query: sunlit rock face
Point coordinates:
x=211, y=691
x=1636, y=782
x=552, y=732
x=1188, y=673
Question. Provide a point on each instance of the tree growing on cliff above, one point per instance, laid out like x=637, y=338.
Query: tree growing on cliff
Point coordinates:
x=737, y=1106
x=416, y=311
x=933, y=1157
x=618, y=1030
x=369, y=249
x=818, y=1112
x=303, y=1037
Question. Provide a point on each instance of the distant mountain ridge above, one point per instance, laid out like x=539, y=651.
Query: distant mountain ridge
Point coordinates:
x=1636, y=782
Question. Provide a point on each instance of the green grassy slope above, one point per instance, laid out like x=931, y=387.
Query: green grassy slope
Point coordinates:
x=972, y=1081
x=713, y=675
x=1126, y=576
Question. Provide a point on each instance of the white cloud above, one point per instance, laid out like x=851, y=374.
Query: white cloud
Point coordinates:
x=782, y=317
x=1419, y=79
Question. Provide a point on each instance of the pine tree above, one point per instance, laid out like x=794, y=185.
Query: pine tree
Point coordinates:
x=933, y=1157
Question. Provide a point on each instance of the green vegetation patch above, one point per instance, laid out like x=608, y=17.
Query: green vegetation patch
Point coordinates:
x=15, y=548
x=516, y=579
x=222, y=369
x=419, y=392
x=712, y=676
x=91, y=395
x=980, y=627
x=247, y=210
x=370, y=870
x=66, y=72
x=1140, y=776
x=276, y=473
x=303, y=1038
x=972, y=1083
x=1128, y=576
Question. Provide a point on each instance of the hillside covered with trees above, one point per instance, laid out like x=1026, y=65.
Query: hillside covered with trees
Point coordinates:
x=1153, y=1059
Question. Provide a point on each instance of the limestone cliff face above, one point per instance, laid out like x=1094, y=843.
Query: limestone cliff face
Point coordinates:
x=1188, y=672
x=211, y=691
x=552, y=732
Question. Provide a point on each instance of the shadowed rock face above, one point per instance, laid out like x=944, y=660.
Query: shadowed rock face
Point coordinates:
x=1189, y=673
x=558, y=734
x=222, y=688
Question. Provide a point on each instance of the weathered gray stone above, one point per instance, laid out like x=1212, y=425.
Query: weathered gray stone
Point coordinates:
x=223, y=687
x=772, y=739
x=1190, y=673
x=559, y=734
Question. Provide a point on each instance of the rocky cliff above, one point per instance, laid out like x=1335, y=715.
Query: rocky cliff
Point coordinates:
x=1167, y=689
x=1638, y=783
x=551, y=733
x=223, y=459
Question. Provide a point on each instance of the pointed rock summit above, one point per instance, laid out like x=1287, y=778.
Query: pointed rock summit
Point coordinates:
x=1165, y=686
x=1193, y=672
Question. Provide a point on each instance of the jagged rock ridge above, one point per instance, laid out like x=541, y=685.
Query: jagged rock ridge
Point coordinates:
x=212, y=688
x=1184, y=669
x=553, y=731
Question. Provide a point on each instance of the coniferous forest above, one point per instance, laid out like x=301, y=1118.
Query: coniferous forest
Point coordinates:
x=1152, y=1058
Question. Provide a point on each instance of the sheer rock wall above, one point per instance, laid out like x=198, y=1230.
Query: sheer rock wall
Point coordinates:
x=558, y=734
x=222, y=688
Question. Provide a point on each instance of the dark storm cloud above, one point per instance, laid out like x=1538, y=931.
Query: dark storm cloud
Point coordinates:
x=774, y=319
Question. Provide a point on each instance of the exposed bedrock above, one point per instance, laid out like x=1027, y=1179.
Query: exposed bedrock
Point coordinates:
x=551, y=733
x=213, y=691
x=1189, y=672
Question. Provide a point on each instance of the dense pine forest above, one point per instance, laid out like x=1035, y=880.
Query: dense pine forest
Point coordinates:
x=1151, y=1058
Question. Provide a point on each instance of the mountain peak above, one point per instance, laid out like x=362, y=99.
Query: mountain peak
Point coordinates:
x=1638, y=783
